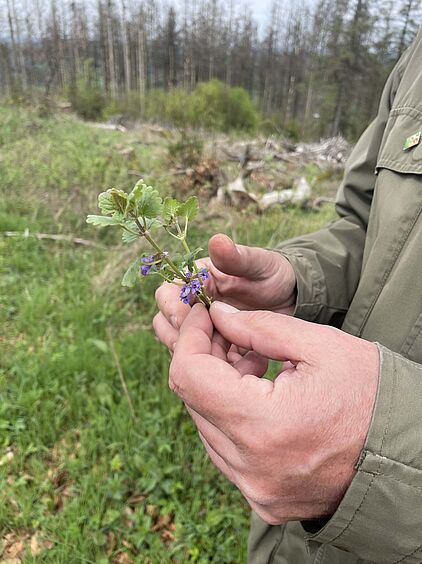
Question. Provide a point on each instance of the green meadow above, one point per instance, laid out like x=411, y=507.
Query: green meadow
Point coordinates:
x=82, y=478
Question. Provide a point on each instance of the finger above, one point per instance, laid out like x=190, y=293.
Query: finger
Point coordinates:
x=252, y=363
x=252, y=263
x=273, y=335
x=218, y=462
x=219, y=346
x=170, y=305
x=212, y=387
x=220, y=442
x=164, y=331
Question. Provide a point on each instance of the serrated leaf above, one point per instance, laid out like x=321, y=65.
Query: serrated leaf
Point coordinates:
x=128, y=237
x=150, y=203
x=152, y=224
x=190, y=208
x=106, y=203
x=120, y=200
x=190, y=258
x=145, y=200
x=170, y=209
x=178, y=261
x=131, y=275
x=103, y=220
x=136, y=193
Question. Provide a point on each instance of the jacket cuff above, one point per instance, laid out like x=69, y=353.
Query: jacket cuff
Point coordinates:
x=380, y=517
x=310, y=283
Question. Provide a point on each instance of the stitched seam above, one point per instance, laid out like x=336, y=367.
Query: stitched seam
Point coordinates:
x=412, y=336
x=396, y=255
x=414, y=341
x=386, y=429
x=408, y=555
x=277, y=545
x=321, y=554
x=394, y=165
x=404, y=110
x=392, y=478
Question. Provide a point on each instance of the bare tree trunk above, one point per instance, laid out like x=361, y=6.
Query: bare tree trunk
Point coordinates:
x=110, y=50
x=75, y=43
x=407, y=11
x=142, y=62
x=20, y=53
x=126, y=48
x=12, y=43
x=6, y=79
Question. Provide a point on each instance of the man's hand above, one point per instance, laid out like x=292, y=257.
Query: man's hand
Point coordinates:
x=291, y=445
x=245, y=277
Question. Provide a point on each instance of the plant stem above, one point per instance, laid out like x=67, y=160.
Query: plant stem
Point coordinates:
x=153, y=244
x=207, y=299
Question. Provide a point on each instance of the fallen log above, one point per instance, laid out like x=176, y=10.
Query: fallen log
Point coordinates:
x=52, y=237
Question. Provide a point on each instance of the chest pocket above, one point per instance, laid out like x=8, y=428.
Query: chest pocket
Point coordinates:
x=403, y=124
x=394, y=252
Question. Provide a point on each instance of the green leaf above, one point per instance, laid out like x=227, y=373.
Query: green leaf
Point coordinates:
x=152, y=224
x=150, y=205
x=178, y=261
x=170, y=210
x=190, y=258
x=146, y=200
x=131, y=275
x=120, y=200
x=128, y=237
x=103, y=221
x=190, y=208
x=101, y=345
x=106, y=203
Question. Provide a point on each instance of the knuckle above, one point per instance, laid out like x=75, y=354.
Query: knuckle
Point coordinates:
x=159, y=294
x=174, y=378
x=155, y=322
x=268, y=517
x=259, y=493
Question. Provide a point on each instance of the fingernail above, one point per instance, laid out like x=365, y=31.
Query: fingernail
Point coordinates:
x=224, y=307
x=174, y=321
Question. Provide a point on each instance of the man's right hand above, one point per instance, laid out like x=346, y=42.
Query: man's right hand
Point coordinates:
x=245, y=277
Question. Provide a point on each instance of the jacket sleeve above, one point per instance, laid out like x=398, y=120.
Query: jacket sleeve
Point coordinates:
x=328, y=263
x=380, y=516
x=379, y=520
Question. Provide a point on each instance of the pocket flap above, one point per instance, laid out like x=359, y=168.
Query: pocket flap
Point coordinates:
x=402, y=124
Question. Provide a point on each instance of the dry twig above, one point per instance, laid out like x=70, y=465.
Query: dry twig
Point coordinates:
x=120, y=373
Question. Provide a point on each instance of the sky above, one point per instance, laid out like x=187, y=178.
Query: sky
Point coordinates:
x=262, y=9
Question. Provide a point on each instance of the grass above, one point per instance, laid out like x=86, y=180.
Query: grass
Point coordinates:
x=76, y=471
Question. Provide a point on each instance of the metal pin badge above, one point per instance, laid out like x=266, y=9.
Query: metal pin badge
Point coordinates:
x=412, y=141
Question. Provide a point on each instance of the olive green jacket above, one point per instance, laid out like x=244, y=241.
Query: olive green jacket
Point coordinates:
x=363, y=273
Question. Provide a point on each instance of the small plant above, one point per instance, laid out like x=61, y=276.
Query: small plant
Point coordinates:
x=187, y=150
x=141, y=212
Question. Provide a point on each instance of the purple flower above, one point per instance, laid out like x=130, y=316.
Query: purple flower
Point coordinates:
x=145, y=270
x=195, y=286
x=204, y=274
x=148, y=260
x=184, y=294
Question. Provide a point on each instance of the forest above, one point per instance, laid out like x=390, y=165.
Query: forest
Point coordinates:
x=314, y=69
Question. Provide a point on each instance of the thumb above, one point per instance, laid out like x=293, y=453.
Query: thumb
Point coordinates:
x=273, y=335
x=239, y=260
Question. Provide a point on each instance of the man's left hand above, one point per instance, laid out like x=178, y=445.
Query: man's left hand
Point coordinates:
x=290, y=446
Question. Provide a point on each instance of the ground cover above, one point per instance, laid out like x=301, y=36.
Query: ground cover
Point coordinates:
x=81, y=480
